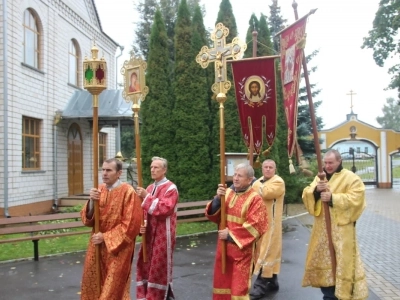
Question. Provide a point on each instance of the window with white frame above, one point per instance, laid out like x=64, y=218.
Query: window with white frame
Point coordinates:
x=31, y=39
x=73, y=63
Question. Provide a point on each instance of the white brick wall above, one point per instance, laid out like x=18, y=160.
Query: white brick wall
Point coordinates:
x=40, y=93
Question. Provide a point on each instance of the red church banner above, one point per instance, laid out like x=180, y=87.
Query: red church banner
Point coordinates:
x=255, y=88
x=292, y=45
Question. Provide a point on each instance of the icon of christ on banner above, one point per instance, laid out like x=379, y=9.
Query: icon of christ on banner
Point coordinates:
x=255, y=90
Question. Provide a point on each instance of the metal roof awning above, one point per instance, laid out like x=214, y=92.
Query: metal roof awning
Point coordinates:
x=112, y=108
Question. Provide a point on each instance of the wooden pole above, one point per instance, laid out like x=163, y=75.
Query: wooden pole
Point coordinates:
x=251, y=149
x=136, y=108
x=221, y=98
x=96, y=184
x=321, y=173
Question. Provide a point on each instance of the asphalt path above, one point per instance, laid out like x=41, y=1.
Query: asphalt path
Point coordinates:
x=58, y=277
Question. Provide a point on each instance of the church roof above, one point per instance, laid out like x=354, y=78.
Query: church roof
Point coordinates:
x=112, y=107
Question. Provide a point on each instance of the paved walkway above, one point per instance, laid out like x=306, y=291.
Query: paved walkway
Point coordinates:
x=379, y=240
x=378, y=232
x=58, y=277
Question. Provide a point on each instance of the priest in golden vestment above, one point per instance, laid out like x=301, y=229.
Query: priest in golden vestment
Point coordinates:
x=344, y=192
x=271, y=188
x=120, y=218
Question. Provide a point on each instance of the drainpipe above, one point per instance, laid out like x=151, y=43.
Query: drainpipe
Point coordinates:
x=57, y=119
x=5, y=108
x=116, y=63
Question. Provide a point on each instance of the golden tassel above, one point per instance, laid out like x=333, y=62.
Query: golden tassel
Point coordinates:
x=266, y=152
x=304, y=163
x=257, y=164
x=291, y=167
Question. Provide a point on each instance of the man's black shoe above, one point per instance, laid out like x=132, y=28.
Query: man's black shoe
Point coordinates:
x=259, y=288
x=273, y=287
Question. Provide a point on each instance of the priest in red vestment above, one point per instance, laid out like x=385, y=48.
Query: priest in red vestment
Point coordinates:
x=160, y=199
x=246, y=221
x=120, y=217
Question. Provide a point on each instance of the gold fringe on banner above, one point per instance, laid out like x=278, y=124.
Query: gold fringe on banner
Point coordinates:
x=291, y=167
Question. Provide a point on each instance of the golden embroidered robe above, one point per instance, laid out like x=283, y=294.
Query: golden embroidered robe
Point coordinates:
x=120, y=217
x=246, y=221
x=269, y=247
x=348, y=198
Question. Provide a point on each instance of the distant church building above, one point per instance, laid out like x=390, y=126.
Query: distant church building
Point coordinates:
x=372, y=153
x=45, y=116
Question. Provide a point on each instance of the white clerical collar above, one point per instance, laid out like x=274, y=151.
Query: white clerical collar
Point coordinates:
x=116, y=184
x=160, y=181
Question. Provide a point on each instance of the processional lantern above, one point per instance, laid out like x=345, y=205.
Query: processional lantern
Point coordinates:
x=95, y=81
x=95, y=73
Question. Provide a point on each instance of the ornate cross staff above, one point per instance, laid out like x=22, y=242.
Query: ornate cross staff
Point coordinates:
x=95, y=81
x=219, y=55
x=135, y=91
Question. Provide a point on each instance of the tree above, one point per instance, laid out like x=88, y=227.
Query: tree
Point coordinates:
x=127, y=141
x=384, y=40
x=157, y=129
x=390, y=118
x=265, y=45
x=304, y=125
x=233, y=134
x=253, y=26
x=191, y=116
x=276, y=23
x=146, y=10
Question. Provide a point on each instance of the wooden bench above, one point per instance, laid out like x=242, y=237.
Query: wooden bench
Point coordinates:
x=193, y=211
x=35, y=230
x=32, y=226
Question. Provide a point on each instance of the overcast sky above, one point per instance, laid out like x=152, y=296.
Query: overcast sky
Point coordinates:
x=336, y=29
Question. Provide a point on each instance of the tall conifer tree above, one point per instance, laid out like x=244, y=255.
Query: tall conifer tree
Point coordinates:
x=157, y=129
x=265, y=46
x=146, y=10
x=304, y=125
x=233, y=134
x=191, y=111
x=279, y=150
x=276, y=23
x=253, y=26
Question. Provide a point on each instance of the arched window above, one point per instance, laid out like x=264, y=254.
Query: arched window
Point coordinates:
x=31, y=40
x=73, y=63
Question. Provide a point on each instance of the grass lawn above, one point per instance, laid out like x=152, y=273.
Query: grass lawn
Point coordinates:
x=78, y=242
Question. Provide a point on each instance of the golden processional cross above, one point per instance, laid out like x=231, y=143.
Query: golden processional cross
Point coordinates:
x=219, y=55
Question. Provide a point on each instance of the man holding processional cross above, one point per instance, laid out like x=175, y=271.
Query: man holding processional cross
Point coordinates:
x=239, y=211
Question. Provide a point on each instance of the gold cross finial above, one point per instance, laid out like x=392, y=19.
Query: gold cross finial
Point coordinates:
x=219, y=55
x=351, y=94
